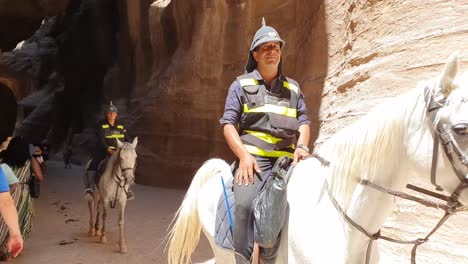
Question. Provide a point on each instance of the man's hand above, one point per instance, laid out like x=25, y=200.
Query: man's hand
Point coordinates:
x=247, y=168
x=110, y=151
x=15, y=245
x=299, y=154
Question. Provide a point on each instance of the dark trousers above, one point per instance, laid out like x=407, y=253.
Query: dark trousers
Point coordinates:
x=97, y=158
x=244, y=196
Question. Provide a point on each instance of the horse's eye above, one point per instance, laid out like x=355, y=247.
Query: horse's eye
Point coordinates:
x=461, y=129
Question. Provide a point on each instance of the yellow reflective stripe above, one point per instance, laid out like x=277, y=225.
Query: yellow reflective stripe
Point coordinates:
x=291, y=87
x=246, y=82
x=111, y=147
x=105, y=126
x=264, y=136
x=268, y=108
x=115, y=136
x=120, y=126
x=272, y=154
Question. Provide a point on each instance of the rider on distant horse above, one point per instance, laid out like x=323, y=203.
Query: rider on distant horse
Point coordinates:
x=269, y=110
x=108, y=131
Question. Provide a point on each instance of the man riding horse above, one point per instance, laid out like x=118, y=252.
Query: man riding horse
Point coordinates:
x=270, y=112
x=107, y=131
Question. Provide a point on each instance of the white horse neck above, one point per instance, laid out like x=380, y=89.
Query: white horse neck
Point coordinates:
x=108, y=173
x=376, y=149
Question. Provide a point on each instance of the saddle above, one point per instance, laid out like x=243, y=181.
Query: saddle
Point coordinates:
x=100, y=169
x=269, y=209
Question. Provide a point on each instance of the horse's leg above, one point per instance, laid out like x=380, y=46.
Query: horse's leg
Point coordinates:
x=92, y=231
x=104, y=204
x=122, y=243
x=98, y=216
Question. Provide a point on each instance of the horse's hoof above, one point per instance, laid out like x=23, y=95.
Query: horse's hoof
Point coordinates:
x=103, y=239
x=98, y=233
x=123, y=249
x=92, y=232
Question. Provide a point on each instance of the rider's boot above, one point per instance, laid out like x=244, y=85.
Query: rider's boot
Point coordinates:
x=90, y=182
x=130, y=195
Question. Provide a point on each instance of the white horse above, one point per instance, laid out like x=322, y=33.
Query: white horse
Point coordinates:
x=391, y=144
x=112, y=188
x=386, y=147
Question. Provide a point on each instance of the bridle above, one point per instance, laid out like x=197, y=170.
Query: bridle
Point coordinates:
x=441, y=134
x=120, y=179
x=451, y=148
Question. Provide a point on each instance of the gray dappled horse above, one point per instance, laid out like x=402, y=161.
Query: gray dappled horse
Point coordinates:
x=112, y=188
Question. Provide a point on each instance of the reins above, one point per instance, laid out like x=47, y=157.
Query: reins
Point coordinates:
x=120, y=181
x=452, y=205
x=450, y=208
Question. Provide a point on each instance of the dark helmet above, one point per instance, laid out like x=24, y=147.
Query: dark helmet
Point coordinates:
x=111, y=108
x=263, y=35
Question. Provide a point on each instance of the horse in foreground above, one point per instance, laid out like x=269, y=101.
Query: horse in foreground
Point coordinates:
x=334, y=210
x=112, y=188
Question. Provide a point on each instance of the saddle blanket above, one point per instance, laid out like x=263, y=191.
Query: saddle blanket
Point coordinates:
x=223, y=235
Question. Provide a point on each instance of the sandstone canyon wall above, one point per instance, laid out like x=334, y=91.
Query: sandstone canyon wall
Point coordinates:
x=172, y=63
x=346, y=55
x=198, y=49
x=175, y=61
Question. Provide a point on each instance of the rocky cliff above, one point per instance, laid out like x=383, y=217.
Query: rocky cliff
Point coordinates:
x=198, y=49
x=346, y=55
x=169, y=65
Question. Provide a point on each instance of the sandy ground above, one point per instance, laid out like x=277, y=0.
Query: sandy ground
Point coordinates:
x=60, y=231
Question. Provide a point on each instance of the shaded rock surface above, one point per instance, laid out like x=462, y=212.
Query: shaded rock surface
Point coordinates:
x=346, y=55
x=19, y=19
x=197, y=53
x=169, y=65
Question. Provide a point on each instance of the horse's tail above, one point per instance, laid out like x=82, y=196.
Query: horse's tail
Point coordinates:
x=185, y=232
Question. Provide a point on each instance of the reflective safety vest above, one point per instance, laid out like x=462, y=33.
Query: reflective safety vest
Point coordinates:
x=112, y=133
x=268, y=123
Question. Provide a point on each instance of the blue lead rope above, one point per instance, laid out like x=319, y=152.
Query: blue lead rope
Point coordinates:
x=227, y=205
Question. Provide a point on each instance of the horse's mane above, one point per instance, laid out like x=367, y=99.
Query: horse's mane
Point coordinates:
x=369, y=146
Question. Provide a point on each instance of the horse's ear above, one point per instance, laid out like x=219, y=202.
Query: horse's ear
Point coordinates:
x=119, y=143
x=446, y=82
x=135, y=142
